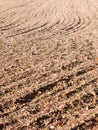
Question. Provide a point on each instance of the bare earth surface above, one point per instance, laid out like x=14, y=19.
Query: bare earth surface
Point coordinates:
x=48, y=64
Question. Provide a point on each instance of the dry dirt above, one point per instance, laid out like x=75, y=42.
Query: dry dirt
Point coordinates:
x=48, y=64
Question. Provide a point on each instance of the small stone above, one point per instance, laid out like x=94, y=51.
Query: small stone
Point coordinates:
x=86, y=108
x=51, y=128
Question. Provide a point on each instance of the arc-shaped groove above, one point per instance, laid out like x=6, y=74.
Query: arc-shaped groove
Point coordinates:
x=67, y=27
x=54, y=25
x=75, y=23
x=84, y=23
x=10, y=25
x=67, y=24
x=49, y=30
x=15, y=7
x=54, y=33
x=46, y=29
x=25, y=30
x=74, y=27
x=71, y=27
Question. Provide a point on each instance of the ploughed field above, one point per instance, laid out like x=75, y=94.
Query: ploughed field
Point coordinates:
x=48, y=64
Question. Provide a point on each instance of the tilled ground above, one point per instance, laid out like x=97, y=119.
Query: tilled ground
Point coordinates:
x=48, y=65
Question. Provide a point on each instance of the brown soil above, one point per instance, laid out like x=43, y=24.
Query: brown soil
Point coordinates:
x=48, y=64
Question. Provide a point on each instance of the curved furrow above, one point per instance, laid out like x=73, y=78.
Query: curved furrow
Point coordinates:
x=14, y=28
x=70, y=27
x=40, y=8
x=75, y=26
x=51, y=25
x=10, y=26
x=52, y=30
x=57, y=25
x=84, y=24
x=34, y=28
x=46, y=28
x=87, y=23
x=16, y=7
x=75, y=23
x=26, y=30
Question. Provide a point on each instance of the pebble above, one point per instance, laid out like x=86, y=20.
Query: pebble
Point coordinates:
x=52, y=128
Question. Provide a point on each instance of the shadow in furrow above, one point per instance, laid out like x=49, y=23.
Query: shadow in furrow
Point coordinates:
x=88, y=124
x=29, y=97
